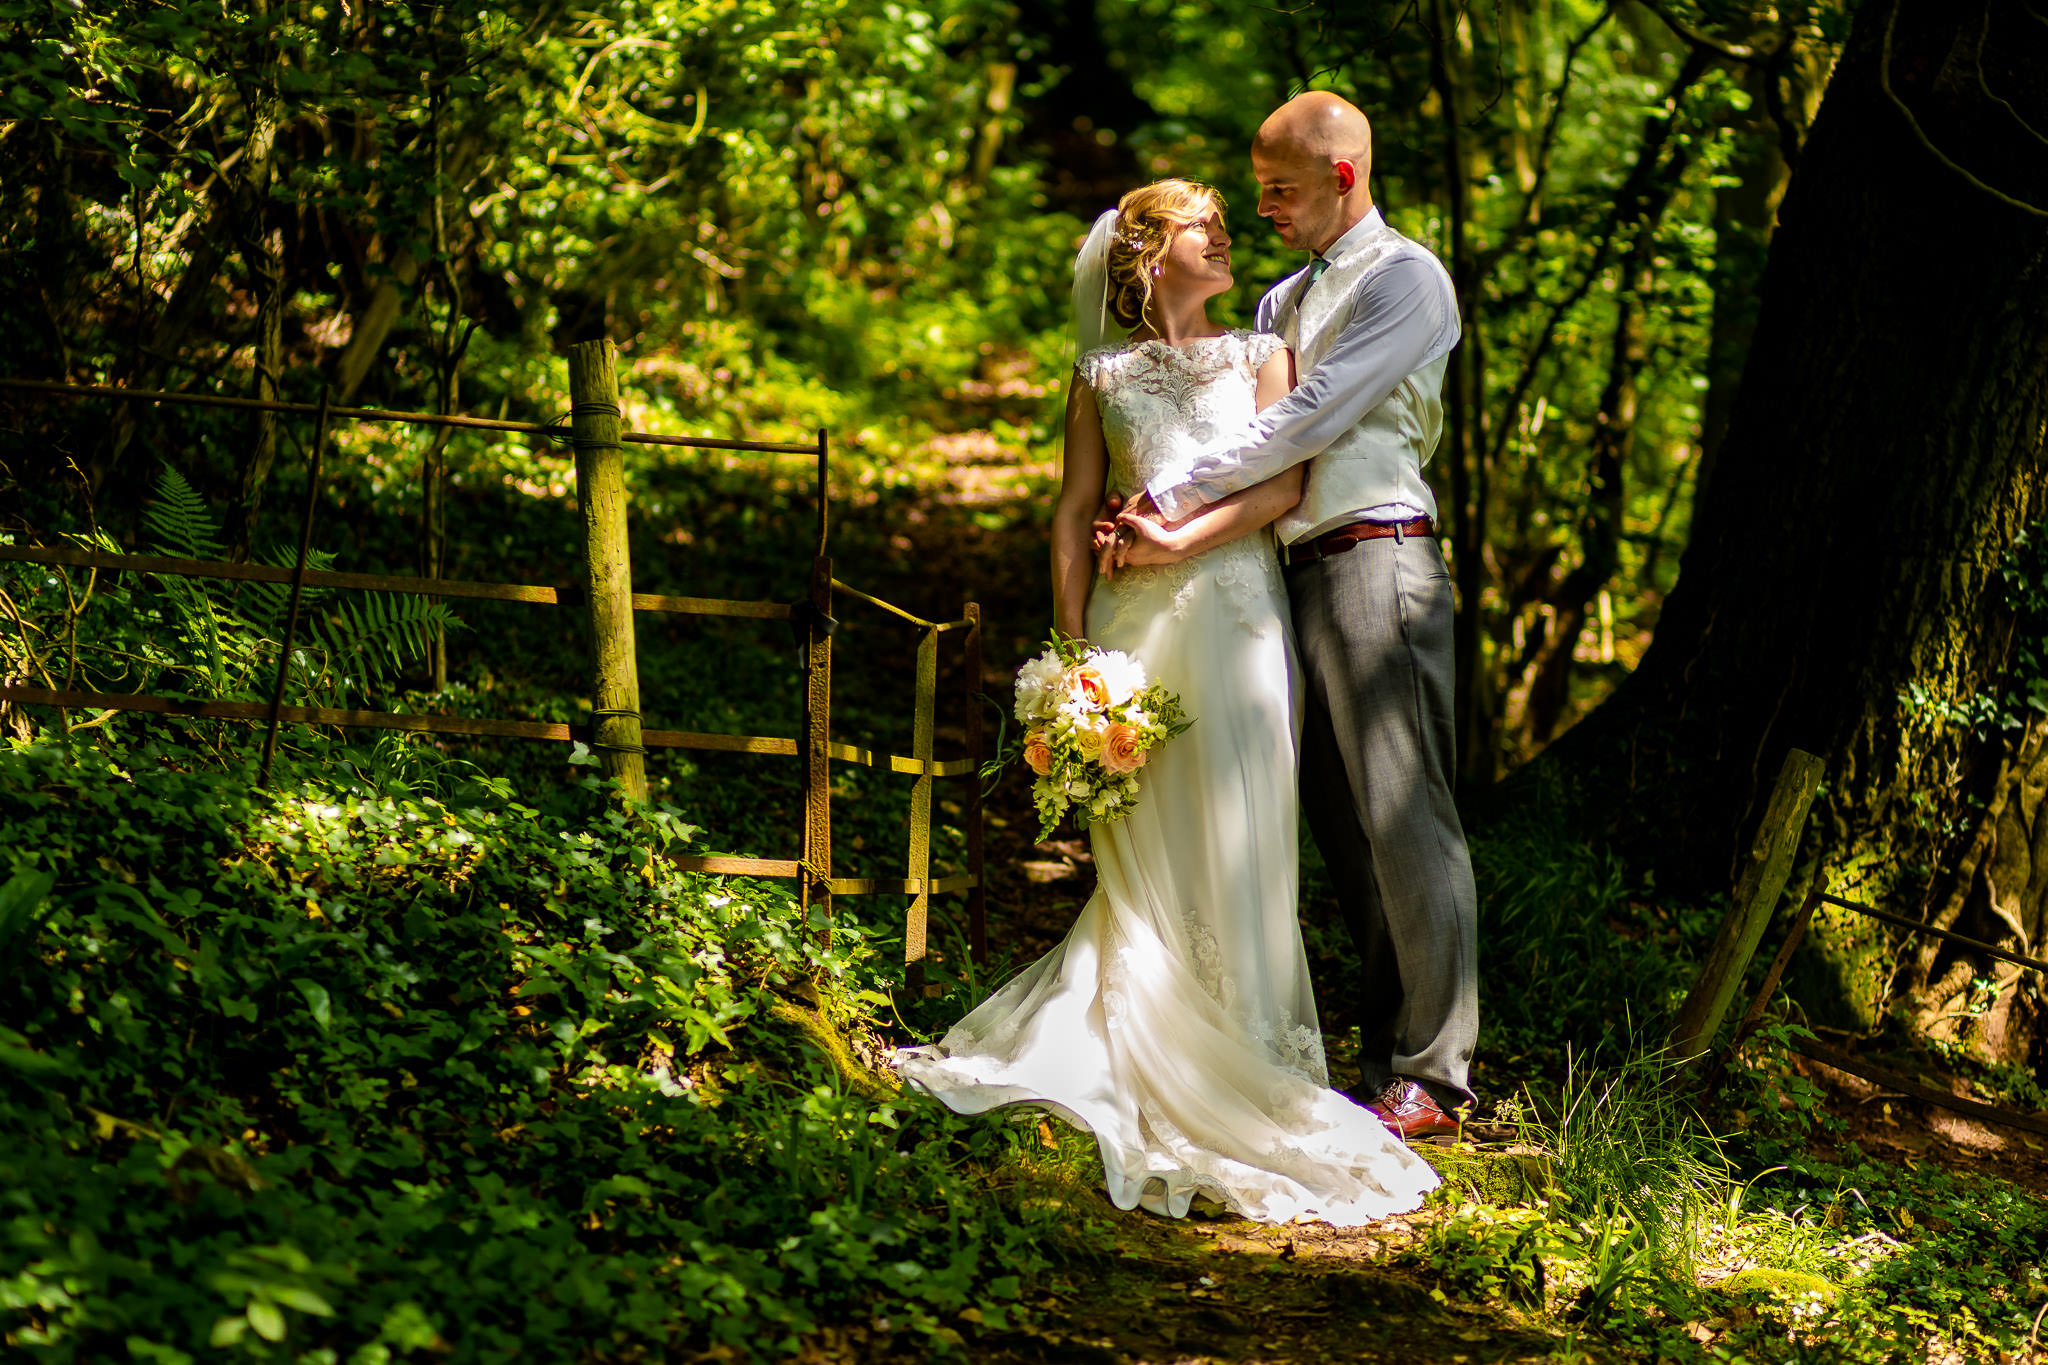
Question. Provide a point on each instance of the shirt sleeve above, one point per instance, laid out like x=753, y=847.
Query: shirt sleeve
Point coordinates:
x=1403, y=317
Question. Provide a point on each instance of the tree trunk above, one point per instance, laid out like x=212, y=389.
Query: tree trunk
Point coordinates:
x=1885, y=451
x=261, y=244
x=1465, y=444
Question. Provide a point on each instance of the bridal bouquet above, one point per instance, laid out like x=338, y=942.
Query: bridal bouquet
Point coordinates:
x=1090, y=721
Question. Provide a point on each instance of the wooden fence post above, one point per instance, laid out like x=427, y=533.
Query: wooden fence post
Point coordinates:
x=914, y=919
x=814, y=887
x=1756, y=896
x=977, y=895
x=1754, y=1015
x=601, y=491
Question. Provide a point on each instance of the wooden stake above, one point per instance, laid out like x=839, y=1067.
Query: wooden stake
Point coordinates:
x=977, y=897
x=1754, y=1015
x=601, y=490
x=1756, y=896
x=815, y=891
x=920, y=871
x=815, y=888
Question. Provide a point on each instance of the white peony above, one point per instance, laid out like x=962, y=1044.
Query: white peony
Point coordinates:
x=1038, y=688
x=1123, y=675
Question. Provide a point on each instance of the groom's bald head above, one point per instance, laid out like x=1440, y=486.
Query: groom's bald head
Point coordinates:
x=1319, y=126
x=1312, y=156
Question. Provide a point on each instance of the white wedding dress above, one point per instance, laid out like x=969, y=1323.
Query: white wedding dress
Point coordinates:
x=1176, y=1022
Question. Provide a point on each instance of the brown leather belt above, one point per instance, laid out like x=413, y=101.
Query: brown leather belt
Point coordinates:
x=1347, y=537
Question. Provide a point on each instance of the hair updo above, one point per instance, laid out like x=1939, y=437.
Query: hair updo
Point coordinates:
x=1146, y=220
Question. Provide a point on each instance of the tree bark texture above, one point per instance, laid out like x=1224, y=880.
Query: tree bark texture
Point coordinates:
x=1884, y=451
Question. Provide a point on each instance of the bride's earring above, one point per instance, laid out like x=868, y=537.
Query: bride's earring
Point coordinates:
x=1155, y=272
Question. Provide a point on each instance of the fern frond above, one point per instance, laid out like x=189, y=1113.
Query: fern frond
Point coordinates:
x=371, y=638
x=263, y=605
x=181, y=527
x=179, y=524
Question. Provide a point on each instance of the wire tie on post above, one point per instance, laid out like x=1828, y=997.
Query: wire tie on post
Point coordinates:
x=611, y=713
x=592, y=407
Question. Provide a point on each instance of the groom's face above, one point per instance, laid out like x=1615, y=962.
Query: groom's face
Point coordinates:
x=1302, y=194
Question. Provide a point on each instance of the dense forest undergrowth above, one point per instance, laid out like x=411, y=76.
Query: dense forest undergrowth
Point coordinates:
x=425, y=1053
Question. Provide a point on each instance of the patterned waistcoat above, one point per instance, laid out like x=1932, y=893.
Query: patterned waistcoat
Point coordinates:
x=1379, y=460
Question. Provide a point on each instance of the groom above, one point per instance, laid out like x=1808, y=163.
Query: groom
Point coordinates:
x=1371, y=321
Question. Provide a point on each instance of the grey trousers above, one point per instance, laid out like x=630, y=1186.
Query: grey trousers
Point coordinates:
x=1378, y=747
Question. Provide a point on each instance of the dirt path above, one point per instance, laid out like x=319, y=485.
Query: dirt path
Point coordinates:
x=1242, y=1292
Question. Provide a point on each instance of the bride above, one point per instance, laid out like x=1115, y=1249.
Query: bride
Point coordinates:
x=1176, y=1022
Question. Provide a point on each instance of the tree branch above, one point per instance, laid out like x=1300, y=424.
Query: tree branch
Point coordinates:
x=1627, y=205
x=1531, y=213
x=1884, y=83
x=1548, y=142
x=1984, y=83
x=1734, y=52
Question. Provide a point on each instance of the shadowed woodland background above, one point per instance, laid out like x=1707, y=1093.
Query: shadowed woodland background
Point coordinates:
x=1744, y=444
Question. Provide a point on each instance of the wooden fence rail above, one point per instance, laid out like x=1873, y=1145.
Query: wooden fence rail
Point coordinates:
x=615, y=732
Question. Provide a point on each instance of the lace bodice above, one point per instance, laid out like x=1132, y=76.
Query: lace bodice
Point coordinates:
x=1162, y=404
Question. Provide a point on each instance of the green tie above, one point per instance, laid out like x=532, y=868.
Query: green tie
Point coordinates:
x=1316, y=268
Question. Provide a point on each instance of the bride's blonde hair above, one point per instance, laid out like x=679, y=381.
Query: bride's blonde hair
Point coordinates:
x=1146, y=220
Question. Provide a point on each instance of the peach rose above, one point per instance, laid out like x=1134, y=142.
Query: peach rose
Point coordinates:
x=1121, y=751
x=1084, y=682
x=1037, y=753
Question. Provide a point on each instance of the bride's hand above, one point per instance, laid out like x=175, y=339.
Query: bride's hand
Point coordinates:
x=1109, y=543
x=1148, y=543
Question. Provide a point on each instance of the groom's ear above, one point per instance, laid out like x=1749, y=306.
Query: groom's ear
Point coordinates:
x=1347, y=176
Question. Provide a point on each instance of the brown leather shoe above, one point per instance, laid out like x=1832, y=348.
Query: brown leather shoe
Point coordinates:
x=1412, y=1113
